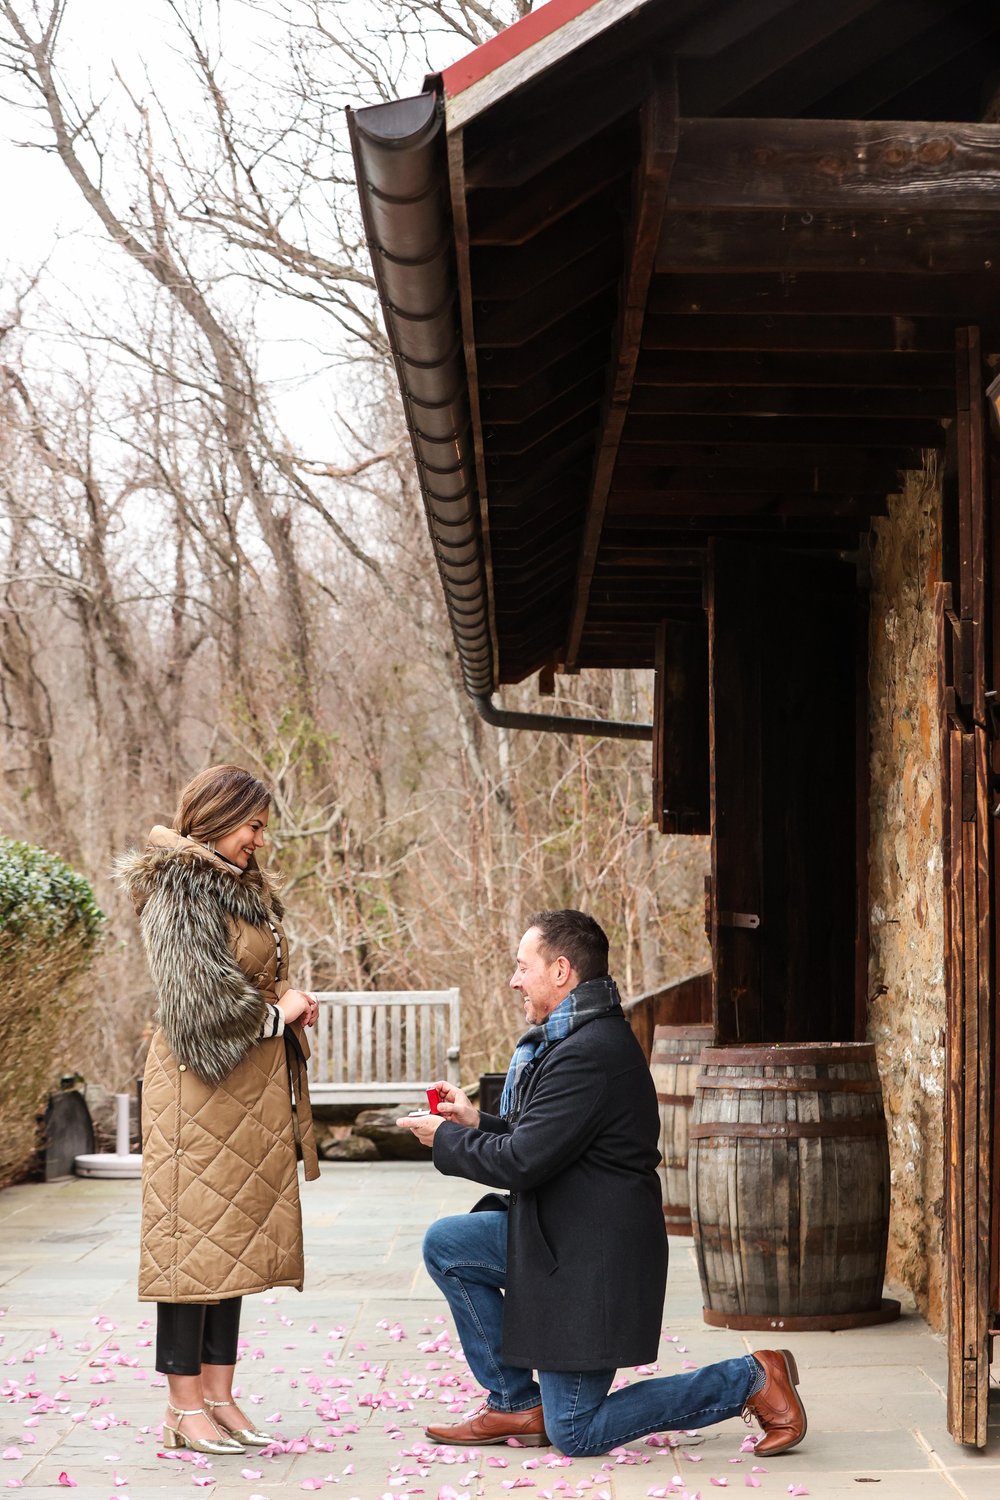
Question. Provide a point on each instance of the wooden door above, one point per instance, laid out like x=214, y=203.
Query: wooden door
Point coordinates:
x=969, y=754
x=783, y=637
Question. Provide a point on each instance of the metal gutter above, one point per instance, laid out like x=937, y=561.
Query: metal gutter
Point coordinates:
x=401, y=164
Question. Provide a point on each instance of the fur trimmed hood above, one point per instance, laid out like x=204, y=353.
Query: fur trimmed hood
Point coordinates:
x=207, y=939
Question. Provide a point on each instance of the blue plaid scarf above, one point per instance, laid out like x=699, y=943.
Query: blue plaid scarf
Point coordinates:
x=594, y=997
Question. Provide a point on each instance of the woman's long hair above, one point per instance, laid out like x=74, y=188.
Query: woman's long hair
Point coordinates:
x=217, y=801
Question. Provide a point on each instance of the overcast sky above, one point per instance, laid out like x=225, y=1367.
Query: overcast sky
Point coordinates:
x=52, y=225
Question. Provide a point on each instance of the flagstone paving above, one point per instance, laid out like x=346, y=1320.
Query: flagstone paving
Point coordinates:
x=348, y=1374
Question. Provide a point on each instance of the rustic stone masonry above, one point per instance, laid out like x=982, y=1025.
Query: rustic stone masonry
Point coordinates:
x=906, y=894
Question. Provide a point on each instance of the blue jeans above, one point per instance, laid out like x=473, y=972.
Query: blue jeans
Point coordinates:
x=466, y=1256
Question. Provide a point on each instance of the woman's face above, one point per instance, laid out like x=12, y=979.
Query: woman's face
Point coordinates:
x=244, y=841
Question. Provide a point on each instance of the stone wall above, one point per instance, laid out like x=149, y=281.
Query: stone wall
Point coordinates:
x=906, y=894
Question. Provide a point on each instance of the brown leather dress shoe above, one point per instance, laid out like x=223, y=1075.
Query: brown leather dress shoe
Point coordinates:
x=776, y=1405
x=488, y=1425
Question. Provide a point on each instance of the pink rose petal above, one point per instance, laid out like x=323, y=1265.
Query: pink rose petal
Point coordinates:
x=797, y=1489
x=311, y=1484
x=751, y=1481
x=12, y=1453
x=251, y=1473
x=64, y=1479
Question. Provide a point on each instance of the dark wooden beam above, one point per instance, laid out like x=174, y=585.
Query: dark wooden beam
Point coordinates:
x=817, y=533
x=835, y=335
x=517, y=403
x=510, y=367
x=517, y=321
x=501, y=216
x=659, y=144
x=816, y=401
x=908, y=62
x=500, y=273
x=901, y=370
x=886, y=26
x=571, y=119
x=804, y=479
x=776, y=455
x=546, y=461
x=946, y=244
x=576, y=407
x=870, y=432
x=833, y=295
x=710, y=83
x=845, y=166
x=703, y=507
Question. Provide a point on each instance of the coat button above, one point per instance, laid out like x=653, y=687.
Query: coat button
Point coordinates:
x=182, y=1067
x=177, y=1234
x=179, y=1151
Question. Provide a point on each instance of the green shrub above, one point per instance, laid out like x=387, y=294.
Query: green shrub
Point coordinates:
x=49, y=927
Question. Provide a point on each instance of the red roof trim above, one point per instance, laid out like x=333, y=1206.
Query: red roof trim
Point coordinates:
x=531, y=28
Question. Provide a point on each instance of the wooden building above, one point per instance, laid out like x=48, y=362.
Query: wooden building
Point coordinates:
x=681, y=294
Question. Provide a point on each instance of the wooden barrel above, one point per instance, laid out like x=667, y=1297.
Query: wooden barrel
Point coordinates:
x=789, y=1183
x=674, y=1066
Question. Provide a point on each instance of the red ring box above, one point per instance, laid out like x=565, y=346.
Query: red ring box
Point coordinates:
x=432, y=1100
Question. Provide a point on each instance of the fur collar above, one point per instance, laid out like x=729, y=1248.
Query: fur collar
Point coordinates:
x=210, y=1012
x=170, y=858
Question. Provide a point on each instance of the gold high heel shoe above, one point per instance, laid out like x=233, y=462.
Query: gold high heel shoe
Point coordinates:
x=174, y=1438
x=249, y=1435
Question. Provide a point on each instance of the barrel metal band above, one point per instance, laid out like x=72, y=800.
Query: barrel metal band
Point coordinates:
x=788, y=1129
x=682, y=1099
x=789, y=1055
x=795, y=1085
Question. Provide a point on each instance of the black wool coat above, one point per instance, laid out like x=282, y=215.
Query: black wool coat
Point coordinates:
x=586, y=1243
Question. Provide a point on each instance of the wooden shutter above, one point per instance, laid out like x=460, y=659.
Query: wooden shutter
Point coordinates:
x=967, y=752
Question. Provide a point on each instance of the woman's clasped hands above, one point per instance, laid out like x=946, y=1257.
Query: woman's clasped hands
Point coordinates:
x=297, y=1005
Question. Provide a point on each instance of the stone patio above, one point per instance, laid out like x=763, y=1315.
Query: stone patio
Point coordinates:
x=349, y=1373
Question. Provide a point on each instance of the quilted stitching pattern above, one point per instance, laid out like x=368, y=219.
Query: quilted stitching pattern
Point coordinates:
x=221, y=1215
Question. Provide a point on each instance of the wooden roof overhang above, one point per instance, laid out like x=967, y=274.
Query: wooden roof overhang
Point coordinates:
x=658, y=271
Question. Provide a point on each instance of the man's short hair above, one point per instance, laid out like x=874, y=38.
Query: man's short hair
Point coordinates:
x=576, y=936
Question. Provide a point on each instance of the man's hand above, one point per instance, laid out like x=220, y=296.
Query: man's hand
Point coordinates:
x=454, y=1105
x=423, y=1126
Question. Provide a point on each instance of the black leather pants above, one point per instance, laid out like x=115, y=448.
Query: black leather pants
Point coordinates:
x=192, y=1334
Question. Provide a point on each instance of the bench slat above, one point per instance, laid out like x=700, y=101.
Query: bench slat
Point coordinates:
x=371, y=1046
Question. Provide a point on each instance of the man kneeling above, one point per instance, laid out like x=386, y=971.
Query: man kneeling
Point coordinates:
x=560, y=1284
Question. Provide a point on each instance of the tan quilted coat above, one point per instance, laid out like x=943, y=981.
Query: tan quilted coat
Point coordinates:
x=220, y=1196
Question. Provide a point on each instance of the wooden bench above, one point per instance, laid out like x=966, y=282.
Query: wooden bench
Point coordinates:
x=383, y=1046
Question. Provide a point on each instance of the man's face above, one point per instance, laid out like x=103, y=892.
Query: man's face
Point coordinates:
x=541, y=982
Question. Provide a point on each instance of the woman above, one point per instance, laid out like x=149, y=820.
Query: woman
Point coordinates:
x=225, y=1107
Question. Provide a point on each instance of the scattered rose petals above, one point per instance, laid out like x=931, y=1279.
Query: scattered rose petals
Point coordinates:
x=12, y=1453
x=311, y=1484
x=65, y=1480
x=251, y=1473
x=797, y=1489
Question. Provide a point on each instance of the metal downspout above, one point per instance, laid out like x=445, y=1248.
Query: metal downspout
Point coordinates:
x=610, y=729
